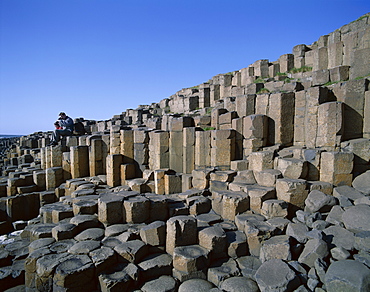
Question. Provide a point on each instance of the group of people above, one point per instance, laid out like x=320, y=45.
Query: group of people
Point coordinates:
x=65, y=126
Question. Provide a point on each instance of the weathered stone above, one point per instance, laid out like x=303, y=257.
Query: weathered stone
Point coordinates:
x=163, y=283
x=356, y=218
x=222, y=271
x=133, y=251
x=214, y=239
x=277, y=247
x=91, y=234
x=75, y=272
x=154, y=233
x=239, y=284
x=276, y=275
x=195, y=285
x=347, y=275
x=155, y=265
x=274, y=208
x=84, y=247
x=319, y=202
x=340, y=236
x=314, y=248
x=190, y=258
x=237, y=244
x=181, y=230
x=361, y=183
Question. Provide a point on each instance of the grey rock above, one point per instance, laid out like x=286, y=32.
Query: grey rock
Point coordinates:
x=348, y=192
x=116, y=229
x=320, y=267
x=277, y=247
x=248, y=266
x=362, y=183
x=115, y=281
x=297, y=231
x=62, y=245
x=347, y=275
x=75, y=272
x=64, y=231
x=363, y=257
x=317, y=201
x=313, y=249
x=339, y=253
x=156, y=265
x=103, y=258
x=85, y=221
x=320, y=224
x=162, y=284
x=362, y=201
x=39, y=243
x=276, y=275
x=91, y=234
x=84, y=247
x=132, y=251
x=357, y=218
x=239, y=284
x=237, y=244
x=335, y=215
x=195, y=285
x=222, y=271
x=340, y=237
x=362, y=241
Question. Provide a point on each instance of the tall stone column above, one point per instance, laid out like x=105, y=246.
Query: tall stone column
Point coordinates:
x=79, y=161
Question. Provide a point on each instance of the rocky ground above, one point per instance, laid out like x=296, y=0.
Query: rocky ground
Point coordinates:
x=184, y=245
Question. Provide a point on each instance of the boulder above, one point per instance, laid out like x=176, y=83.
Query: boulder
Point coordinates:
x=347, y=275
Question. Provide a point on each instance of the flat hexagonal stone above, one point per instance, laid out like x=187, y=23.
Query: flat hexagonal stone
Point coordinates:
x=84, y=247
x=163, y=284
x=39, y=243
x=239, y=284
x=62, y=245
x=276, y=275
x=195, y=285
x=76, y=271
x=91, y=234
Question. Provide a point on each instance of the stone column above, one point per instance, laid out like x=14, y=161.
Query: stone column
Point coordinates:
x=96, y=157
x=114, y=162
x=141, y=150
x=79, y=161
x=281, y=111
x=159, y=150
x=188, y=150
x=202, y=149
x=222, y=148
x=330, y=125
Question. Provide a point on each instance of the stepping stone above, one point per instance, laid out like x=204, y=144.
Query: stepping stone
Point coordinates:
x=103, y=258
x=84, y=247
x=62, y=245
x=76, y=272
x=162, y=284
x=276, y=275
x=132, y=251
x=190, y=258
x=91, y=234
x=156, y=265
x=195, y=285
x=239, y=284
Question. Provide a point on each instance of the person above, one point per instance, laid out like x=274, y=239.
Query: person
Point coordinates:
x=57, y=125
x=67, y=128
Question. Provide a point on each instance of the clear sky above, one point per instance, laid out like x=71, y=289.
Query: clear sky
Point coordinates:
x=97, y=58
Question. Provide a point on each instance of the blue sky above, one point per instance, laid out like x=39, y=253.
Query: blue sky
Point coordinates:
x=97, y=58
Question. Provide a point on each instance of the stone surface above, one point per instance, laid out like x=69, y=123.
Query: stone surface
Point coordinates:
x=347, y=275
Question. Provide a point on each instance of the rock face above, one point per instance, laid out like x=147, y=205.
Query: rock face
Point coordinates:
x=276, y=197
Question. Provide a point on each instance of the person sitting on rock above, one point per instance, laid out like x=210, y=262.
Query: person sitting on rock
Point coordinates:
x=67, y=128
